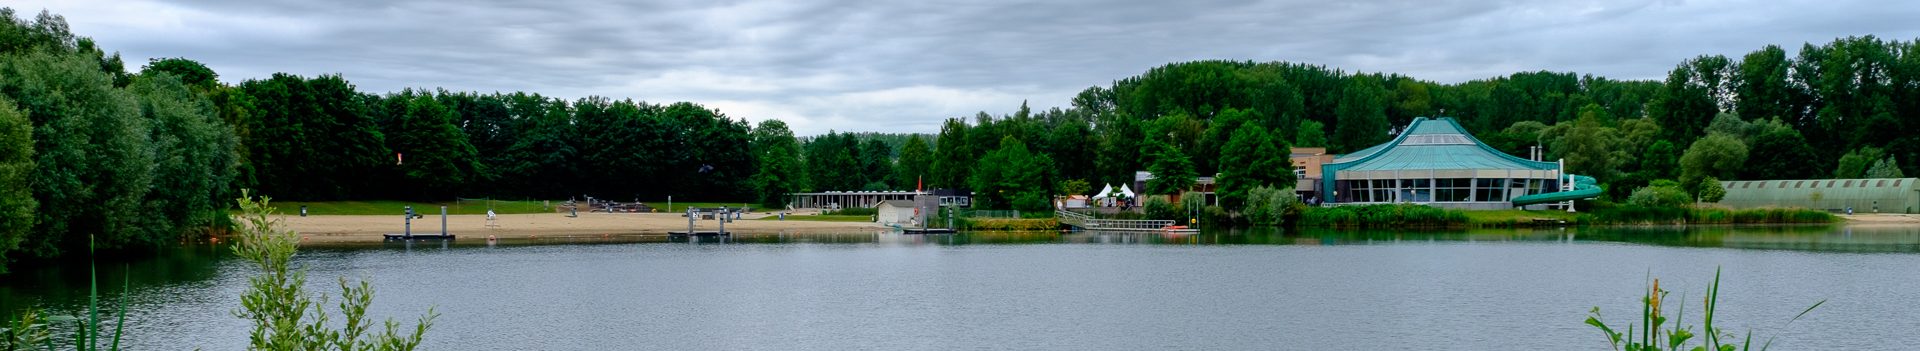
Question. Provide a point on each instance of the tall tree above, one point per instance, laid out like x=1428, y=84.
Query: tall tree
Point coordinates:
x=1362, y=115
x=1172, y=171
x=1010, y=173
x=876, y=159
x=1695, y=91
x=1716, y=155
x=1855, y=163
x=313, y=139
x=952, y=156
x=1780, y=154
x=1252, y=158
x=436, y=161
x=1312, y=134
x=194, y=158
x=1762, y=89
x=916, y=160
x=94, y=154
x=16, y=185
x=780, y=171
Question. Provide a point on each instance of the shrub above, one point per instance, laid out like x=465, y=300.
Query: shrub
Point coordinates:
x=1267, y=206
x=1215, y=216
x=1160, y=208
x=1032, y=201
x=1011, y=224
x=1659, y=195
x=853, y=211
x=1383, y=216
x=285, y=316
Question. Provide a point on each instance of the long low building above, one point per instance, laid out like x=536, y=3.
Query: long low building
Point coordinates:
x=1888, y=195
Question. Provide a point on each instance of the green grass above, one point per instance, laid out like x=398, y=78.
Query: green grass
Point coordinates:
x=394, y=207
x=681, y=207
x=820, y=218
x=1517, y=218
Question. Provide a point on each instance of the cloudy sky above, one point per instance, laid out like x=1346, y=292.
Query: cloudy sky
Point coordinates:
x=902, y=66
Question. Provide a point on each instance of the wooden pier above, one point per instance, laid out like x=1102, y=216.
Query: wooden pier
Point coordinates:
x=700, y=233
x=926, y=231
x=423, y=236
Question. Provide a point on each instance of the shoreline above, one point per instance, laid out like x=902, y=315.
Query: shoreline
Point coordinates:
x=356, y=228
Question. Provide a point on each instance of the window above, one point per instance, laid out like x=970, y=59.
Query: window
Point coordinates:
x=1848, y=184
x=1896, y=182
x=1830, y=183
x=1883, y=183
x=1783, y=185
x=1453, y=190
x=1796, y=185
x=1489, y=190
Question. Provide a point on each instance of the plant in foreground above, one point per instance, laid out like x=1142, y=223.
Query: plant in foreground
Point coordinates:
x=1652, y=334
x=27, y=331
x=284, y=315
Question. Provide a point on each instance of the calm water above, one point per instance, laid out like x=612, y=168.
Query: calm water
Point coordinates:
x=1526, y=289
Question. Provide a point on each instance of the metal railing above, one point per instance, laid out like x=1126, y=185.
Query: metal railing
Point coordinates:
x=1083, y=221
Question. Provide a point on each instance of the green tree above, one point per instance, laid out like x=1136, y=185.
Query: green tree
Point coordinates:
x=1172, y=171
x=876, y=158
x=915, y=164
x=1855, y=163
x=1780, y=154
x=1589, y=147
x=1885, y=168
x=194, y=158
x=781, y=171
x=16, y=185
x=1009, y=173
x=1267, y=206
x=1716, y=155
x=190, y=72
x=94, y=153
x=1762, y=87
x=1252, y=158
x=1711, y=191
x=1311, y=134
x=1361, y=115
x=437, y=161
x=1076, y=187
x=952, y=157
x=313, y=139
x=1695, y=91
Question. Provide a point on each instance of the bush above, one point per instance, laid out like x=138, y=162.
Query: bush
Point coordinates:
x=1160, y=208
x=1011, y=224
x=1267, y=206
x=287, y=317
x=1659, y=195
x=1215, y=216
x=1383, y=216
x=1032, y=201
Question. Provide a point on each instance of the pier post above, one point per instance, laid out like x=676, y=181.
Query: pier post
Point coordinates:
x=409, y=232
x=443, y=221
x=723, y=223
x=690, y=220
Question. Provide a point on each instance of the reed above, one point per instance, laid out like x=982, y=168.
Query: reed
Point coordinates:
x=1653, y=333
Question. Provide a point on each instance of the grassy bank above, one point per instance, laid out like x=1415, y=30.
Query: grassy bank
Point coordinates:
x=1419, y=216
x=822, y=218
x=1383, y=216
x=1628, y=215
x=395, y=207
x=1518, y=218
x=1008, y=224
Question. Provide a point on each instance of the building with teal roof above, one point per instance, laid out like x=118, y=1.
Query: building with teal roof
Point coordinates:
x=1434, y=161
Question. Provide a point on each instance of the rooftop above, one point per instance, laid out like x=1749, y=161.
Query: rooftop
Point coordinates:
x=1434, y=144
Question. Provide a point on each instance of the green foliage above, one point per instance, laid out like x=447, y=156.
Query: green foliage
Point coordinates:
x=1588, y=147
x=1009, y=224
x=1361, y=115
x=313, y=139
x=1885, y=168
x=1312, y=134
x=95, y=159
x=853, y=211
x=1267, y=206
x=1382, y=216
x=438, y=160
x=16, y=185
x=915, y=164
x=284, y=315
x=1660, y=195
x=1716, y=155
x=1009, y=174
x=1711, y=191
x=190, y=72
x=1252, y=159
x=876, y=161
x=1780, y=153
x=834, y=164
x=1159, y=208
x=1076, y=187
x=1212, y=215
x=952, y=157
x=1172, y=170
x=1653, y=334
x=1855, y=163
x=193, y=157
x=780, y=170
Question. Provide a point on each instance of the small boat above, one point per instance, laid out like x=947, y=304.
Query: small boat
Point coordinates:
x=1179, y=229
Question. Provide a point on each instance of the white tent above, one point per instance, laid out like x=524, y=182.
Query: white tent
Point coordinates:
x=1104, y=193
x=1124, y=191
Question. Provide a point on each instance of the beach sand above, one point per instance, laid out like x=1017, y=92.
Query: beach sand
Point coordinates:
x=325, y=229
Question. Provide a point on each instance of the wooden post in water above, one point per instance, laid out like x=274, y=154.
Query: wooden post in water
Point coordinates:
x=690, y=220
x=723, y=222
x=443, y=221
x=409, y=231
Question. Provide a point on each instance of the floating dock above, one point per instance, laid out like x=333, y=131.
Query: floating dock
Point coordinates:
x=700, y=233
x=926, y=231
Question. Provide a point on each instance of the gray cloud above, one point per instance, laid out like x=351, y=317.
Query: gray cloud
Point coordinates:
x=904, y=66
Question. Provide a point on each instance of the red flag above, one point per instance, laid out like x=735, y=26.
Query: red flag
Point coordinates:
x=918, y=182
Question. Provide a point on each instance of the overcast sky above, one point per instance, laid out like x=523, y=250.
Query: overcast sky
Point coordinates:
x=903, y=66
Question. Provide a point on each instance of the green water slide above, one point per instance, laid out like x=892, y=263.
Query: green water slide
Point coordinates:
x=1584, y=187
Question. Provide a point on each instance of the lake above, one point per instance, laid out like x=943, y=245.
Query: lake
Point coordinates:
x=1461, y=290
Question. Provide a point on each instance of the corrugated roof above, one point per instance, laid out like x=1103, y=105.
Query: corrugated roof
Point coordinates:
x=1434, y=144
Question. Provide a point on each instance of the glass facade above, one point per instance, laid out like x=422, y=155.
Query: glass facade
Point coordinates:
x=1441, y=189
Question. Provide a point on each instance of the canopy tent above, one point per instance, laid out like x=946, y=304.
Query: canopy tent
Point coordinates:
x=1126, y=192
x=1104, y=192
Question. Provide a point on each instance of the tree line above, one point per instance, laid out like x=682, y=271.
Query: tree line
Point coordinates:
x=90, y=151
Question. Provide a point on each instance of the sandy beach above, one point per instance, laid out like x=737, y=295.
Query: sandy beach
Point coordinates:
x=320, y=229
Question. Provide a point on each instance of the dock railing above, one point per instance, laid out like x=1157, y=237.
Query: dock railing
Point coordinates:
x=1086, y=222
